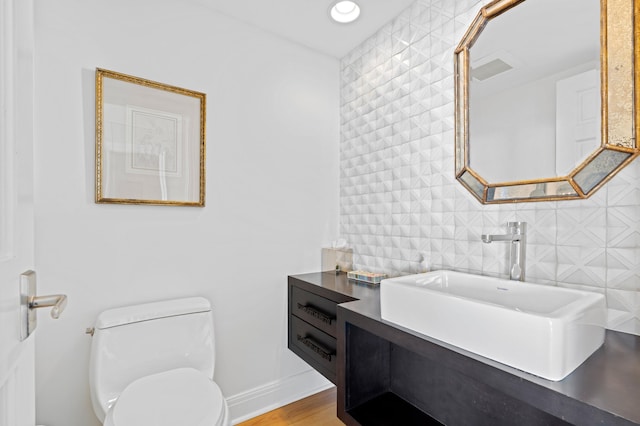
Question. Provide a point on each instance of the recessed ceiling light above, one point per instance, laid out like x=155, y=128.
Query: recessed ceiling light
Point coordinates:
x=345, y=11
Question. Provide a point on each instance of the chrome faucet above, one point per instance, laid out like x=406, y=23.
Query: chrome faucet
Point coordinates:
x=518, y=239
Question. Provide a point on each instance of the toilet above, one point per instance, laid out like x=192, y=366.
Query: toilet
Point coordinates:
x=153, y=364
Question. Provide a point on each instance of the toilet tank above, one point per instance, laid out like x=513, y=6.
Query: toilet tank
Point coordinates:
x=136, y=341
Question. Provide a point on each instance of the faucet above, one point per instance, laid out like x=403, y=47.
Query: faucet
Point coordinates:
x=518, y=239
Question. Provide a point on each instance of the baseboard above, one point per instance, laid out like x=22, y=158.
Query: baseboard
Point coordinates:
x=263, y=399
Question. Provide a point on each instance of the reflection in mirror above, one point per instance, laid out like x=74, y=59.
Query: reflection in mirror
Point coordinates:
x=544, y=98
x=535, y=97
x=594, y=172
x=473, y=184
x=530, y=190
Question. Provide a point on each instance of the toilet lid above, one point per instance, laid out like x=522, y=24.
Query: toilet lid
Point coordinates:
x=183, y=396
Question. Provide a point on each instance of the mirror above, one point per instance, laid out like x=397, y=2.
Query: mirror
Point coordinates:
x=545, y=103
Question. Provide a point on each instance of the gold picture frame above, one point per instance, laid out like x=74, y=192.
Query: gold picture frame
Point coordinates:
x=150, y=142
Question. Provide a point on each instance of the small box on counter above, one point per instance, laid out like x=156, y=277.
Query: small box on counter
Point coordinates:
x=366, y=277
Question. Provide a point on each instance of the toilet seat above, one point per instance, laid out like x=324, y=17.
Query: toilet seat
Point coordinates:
x=183, y=396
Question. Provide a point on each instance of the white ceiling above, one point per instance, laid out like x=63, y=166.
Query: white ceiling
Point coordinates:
x=307, y=21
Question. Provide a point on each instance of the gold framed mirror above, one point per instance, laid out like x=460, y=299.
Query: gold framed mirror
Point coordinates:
x=545, y=100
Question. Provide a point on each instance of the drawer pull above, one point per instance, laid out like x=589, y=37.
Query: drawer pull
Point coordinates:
x=308, y=342
x=309, y=310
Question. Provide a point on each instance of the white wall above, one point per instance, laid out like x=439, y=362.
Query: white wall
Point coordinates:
x=272, y=188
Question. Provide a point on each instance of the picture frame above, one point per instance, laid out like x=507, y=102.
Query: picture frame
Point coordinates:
x=150, y=142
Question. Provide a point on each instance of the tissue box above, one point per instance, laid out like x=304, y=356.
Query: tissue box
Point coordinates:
x=337, y=259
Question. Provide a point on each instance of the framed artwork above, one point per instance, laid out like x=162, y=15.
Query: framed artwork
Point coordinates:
x=150, y=142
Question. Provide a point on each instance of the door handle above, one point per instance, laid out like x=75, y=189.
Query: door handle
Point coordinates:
x=29, y=302
x=57, y=302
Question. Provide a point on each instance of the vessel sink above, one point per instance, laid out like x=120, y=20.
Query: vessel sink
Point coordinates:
x=543, y=330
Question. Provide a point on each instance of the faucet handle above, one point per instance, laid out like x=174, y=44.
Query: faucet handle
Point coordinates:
x=516, y=272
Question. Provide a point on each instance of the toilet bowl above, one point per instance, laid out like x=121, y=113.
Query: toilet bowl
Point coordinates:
x=152, y=364
x=182, y=396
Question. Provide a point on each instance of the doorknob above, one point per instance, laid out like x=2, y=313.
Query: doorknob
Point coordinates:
x=57, y=302
x=29, y=302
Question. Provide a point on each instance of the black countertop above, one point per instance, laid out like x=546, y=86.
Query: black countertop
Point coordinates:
x=608, y=381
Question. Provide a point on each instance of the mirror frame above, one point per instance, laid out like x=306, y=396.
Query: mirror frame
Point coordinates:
x=619, y=59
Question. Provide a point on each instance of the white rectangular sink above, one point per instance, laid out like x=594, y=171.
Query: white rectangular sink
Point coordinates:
x=543, y=330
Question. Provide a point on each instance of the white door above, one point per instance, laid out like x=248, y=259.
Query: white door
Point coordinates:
x=577, y=119
x=17, y=394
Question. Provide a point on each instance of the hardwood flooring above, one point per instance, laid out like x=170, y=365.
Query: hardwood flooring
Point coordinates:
x=318, y=409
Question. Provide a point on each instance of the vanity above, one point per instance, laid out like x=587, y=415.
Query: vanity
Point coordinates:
x=389, y=375
x=312, y=319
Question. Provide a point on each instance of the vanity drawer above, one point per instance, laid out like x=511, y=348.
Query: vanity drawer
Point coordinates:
x=314, y=309
x=314, y=346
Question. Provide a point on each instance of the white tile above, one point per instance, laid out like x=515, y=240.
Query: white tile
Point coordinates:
x=623, y=226
x=541, y=263
x=626, y=310
x=582, y=265
x=582, y=227
x=623, y=268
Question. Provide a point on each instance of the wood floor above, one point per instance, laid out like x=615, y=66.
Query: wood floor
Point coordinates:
x=318, y=409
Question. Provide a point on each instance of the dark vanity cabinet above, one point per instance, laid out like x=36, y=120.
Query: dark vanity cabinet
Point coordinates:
x=313, y=321
x=388, y=375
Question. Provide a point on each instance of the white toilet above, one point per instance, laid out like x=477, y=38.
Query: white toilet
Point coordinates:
x=153, y=364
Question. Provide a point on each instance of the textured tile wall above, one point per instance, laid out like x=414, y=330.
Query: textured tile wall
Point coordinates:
x=400, y=202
